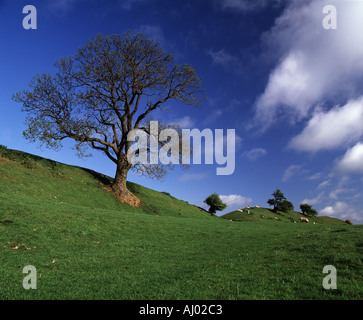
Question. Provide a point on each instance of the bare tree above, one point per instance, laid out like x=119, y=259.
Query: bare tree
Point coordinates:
x=108, y=88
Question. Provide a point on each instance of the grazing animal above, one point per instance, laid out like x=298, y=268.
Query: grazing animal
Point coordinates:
x=349, y=222
x=257, y=206
x=304, y=220
x=239, y=210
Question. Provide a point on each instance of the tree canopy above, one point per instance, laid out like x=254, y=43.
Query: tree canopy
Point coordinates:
x=279, y=202
x=215, y=203
x=307, y=210
x=97, y=96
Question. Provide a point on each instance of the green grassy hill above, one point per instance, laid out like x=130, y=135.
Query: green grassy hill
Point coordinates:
x=84, y=244
x=264, y=215
x=34, y=179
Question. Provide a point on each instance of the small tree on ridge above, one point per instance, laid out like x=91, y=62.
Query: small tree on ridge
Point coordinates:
x=279, y=202
x=215, y=203
x=307, y=210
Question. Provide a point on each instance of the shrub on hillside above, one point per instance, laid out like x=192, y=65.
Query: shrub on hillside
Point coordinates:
x=307, y=210
x=215, y=203
x=279, y=202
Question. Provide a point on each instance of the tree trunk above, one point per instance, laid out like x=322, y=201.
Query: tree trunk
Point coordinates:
x=119, y=185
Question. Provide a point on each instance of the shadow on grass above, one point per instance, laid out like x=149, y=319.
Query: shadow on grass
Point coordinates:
x=98, y=176
x=6, y=222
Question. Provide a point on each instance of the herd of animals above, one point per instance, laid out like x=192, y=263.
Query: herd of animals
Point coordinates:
x=302, y=219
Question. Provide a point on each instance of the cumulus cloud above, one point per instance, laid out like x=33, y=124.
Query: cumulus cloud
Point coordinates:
x=352, y=161
x=341, y=210
x=235, y=200
x=331, y=129
x=315, y=200
x=286, y=90
x=316, y=65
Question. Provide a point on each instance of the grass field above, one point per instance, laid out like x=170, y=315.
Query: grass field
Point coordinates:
x=84, y=244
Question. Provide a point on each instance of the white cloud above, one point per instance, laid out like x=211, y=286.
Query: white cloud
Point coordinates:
x=336, y=192
x=338, y=208
x=254, y=154
x=332, y=129
x=287, y=87
x=316, y=65
x=352, y=161
x=185, y=122
x=341, y=210
x=324, y=184
x=315, y=200
x=315, y=176
x=235, y=200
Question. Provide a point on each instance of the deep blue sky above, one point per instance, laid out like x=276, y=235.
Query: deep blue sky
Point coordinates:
x=291, y=89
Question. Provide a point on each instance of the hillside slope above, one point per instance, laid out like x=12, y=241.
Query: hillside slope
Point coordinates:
x=264, y=214
x=84, y=244
x=23, y=175
x=26, y=176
